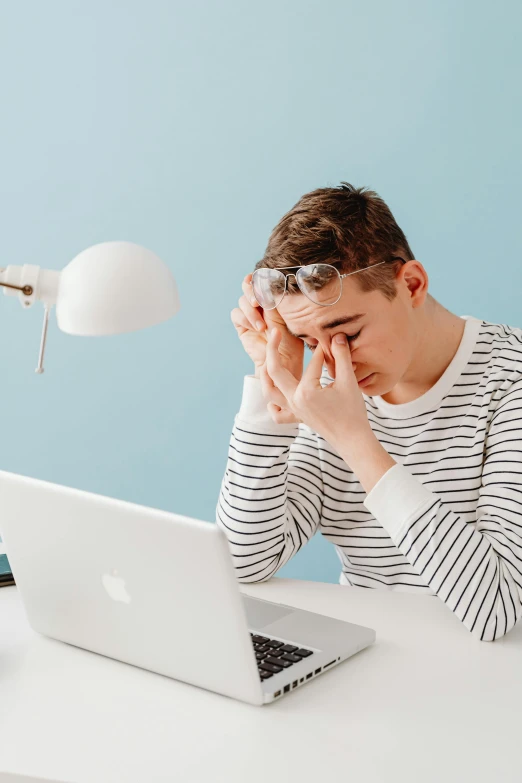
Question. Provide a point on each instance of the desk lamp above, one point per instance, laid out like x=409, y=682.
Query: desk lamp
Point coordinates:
x=110, y=288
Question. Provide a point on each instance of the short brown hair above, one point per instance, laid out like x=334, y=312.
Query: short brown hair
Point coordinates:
x=350, y=227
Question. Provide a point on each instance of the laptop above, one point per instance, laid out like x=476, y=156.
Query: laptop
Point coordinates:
x=158, y=590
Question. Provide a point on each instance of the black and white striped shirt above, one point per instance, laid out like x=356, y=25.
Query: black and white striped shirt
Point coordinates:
x=446, y=520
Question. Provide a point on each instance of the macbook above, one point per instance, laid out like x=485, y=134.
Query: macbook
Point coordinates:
x=158, y=590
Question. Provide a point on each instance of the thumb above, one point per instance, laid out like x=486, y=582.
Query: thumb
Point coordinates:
x=343, y=358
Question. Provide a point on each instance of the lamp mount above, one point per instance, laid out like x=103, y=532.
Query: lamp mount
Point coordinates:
x=27, y=290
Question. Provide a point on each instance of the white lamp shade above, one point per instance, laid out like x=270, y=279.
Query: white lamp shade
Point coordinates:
x=115, y=287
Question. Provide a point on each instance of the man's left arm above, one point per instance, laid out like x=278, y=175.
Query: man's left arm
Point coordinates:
x=476, y=569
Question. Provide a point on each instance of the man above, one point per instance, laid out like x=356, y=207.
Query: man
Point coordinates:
x=401, y=443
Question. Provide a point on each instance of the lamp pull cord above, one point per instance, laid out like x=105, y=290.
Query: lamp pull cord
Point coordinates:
x=40, y=368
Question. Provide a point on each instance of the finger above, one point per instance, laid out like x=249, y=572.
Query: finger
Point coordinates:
x=312, y=375
x=265, y=381
x=248, y=290
x=240, y=321
x=252, y=313
x=282, y=378
x=285, y=416
x=342, y=355
x=270, y=392
x=280, y=415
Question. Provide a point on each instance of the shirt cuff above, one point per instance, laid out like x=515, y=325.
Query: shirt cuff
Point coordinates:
x=254, y=413
x=396, y=499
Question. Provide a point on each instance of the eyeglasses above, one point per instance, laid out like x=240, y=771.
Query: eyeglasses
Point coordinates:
x=321, y=283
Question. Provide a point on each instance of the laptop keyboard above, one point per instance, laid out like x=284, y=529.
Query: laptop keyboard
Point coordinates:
x=273, y=656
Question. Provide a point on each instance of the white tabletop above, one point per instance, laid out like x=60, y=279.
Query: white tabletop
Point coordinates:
x=427, y=702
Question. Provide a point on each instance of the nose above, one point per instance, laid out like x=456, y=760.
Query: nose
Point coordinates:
x=325, y=345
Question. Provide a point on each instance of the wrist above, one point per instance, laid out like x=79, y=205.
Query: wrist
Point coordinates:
x=353, y=443
x=367, y=457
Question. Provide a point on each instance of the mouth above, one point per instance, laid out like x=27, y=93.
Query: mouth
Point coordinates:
x=367, y=380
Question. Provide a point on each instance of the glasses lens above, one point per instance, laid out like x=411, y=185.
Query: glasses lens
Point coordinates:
x=268, y=286
x=320, y=282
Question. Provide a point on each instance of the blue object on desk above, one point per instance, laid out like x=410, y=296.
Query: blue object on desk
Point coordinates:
x=6, y=575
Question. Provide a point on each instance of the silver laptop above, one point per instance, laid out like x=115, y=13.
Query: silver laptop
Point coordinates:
x=158, y=590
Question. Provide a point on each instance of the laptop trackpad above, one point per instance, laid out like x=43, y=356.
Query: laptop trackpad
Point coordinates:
x=261, y=613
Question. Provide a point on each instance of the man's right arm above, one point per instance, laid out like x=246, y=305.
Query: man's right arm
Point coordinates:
x=271, y=496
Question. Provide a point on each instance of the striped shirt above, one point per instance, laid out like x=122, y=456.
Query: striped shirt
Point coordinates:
x=446, y=520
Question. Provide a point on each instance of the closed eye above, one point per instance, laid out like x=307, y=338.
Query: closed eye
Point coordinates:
x=350, y=337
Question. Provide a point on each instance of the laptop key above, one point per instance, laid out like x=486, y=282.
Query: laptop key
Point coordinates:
x=279, y=662
x=269, y=667
x=291, y=658
x=259, y=639
x=289, y=648
x=261, y=648
x=303, y=653
x=274, y=643
x=266, y=675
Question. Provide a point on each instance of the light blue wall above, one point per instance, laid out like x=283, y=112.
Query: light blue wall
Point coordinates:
x=190, y=128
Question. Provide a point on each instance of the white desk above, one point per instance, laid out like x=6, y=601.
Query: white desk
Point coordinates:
x=427, y=702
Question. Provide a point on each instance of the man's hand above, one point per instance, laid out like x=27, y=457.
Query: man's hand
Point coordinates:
x=277, y=404
x=253, y=324
x=337, y=411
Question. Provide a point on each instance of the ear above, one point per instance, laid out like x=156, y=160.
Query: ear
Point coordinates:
x=415, y=279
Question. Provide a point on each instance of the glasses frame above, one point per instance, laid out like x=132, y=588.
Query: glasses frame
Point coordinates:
x=320, y=304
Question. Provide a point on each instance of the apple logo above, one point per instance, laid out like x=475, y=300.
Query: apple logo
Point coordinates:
x=115, y=587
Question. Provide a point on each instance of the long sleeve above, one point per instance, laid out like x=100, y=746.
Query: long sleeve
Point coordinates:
x=271, y=495
x=476, y=569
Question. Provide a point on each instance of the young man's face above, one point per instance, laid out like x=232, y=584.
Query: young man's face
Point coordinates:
x=382, y=341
